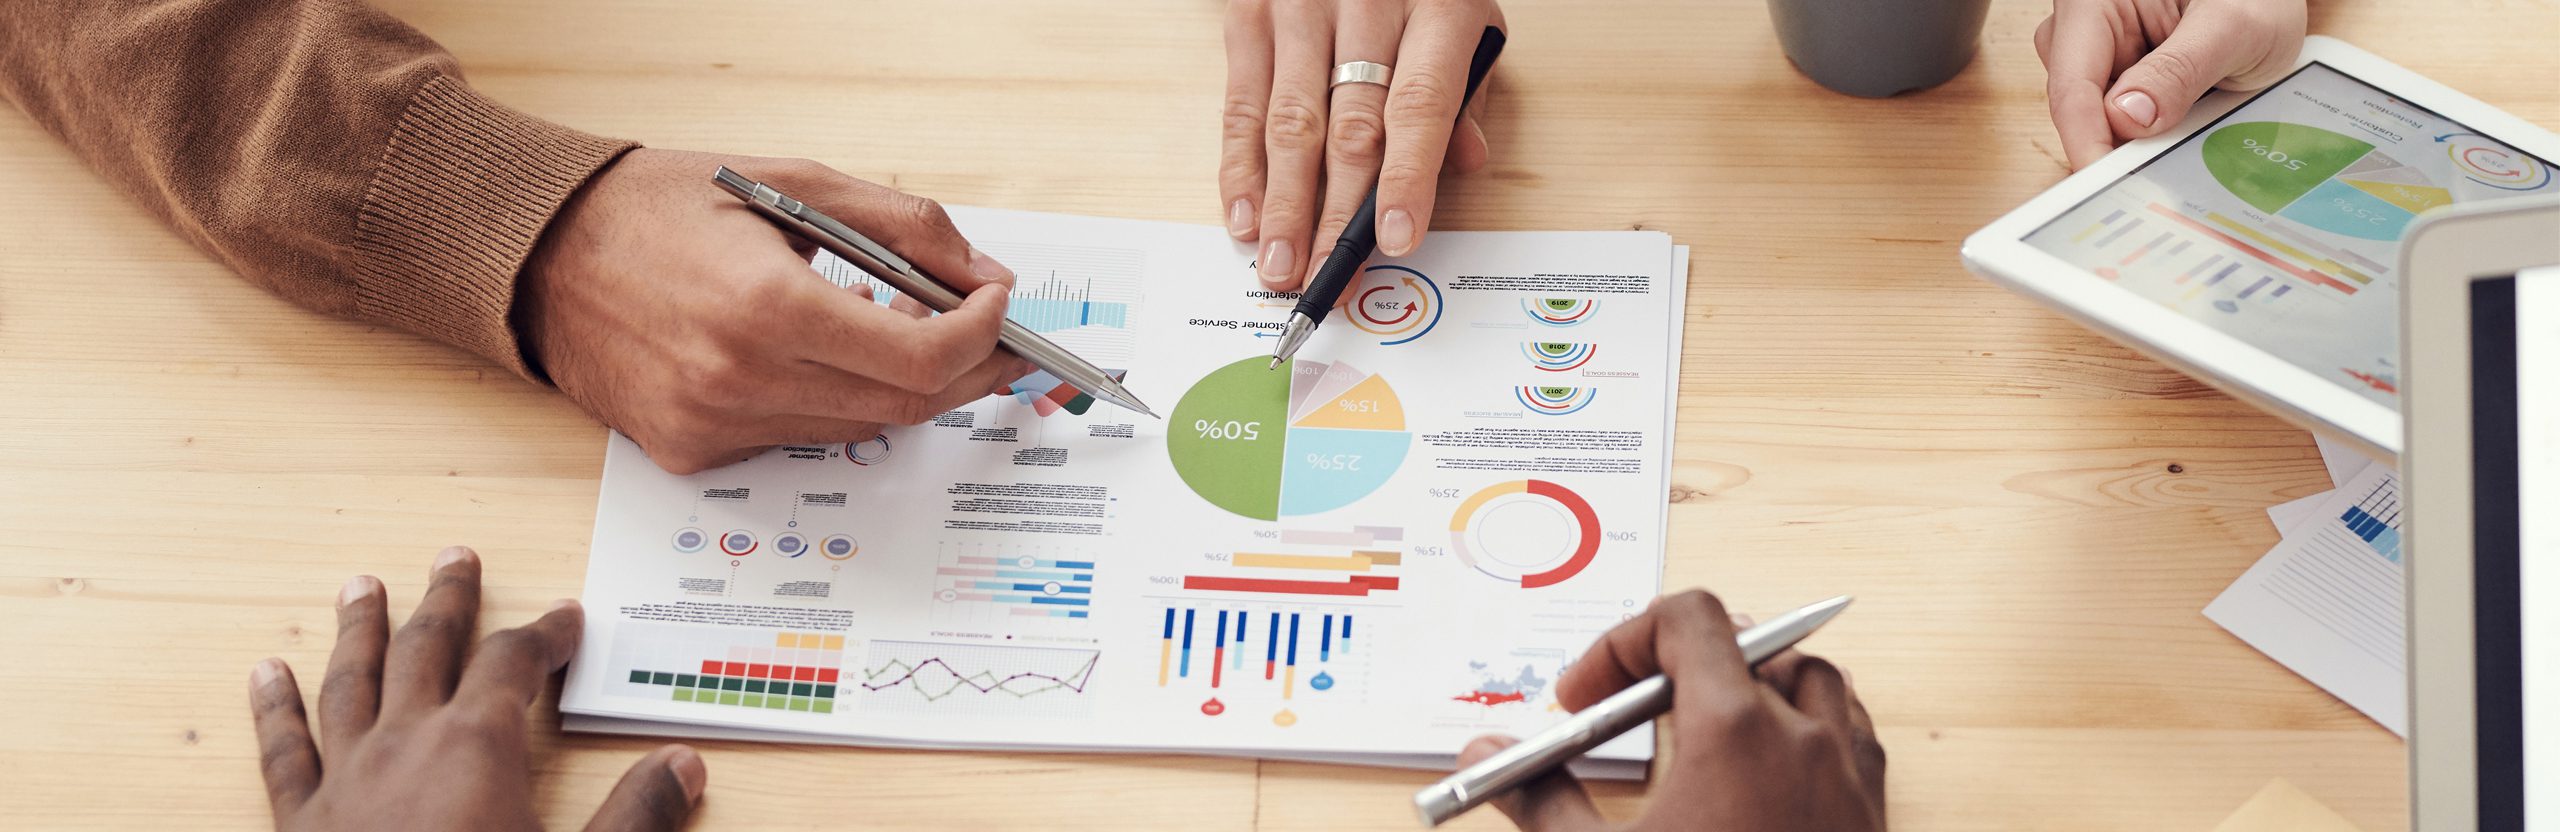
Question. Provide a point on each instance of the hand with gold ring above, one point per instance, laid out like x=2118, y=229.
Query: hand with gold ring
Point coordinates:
x=1326, y=98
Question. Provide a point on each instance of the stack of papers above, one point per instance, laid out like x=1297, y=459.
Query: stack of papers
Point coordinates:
x=1370, y=554
x=2326, y=601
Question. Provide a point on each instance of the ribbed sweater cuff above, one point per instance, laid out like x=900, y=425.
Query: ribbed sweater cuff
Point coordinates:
x=463, y=192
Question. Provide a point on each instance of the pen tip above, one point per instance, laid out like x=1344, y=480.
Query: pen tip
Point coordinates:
x=1275, y=362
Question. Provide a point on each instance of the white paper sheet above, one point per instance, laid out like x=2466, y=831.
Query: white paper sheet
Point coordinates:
x=2326, y=602
x=2291, y=513
x=1380, y=571
x=2343, y=461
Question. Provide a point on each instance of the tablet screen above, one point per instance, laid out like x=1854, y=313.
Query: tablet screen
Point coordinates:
x=2280, y=222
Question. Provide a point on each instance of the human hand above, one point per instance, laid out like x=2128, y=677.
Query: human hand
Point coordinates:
x=1298, y=158
x=2192, y=46
x=413, y=736
x=682, y=319
x=1790, y=750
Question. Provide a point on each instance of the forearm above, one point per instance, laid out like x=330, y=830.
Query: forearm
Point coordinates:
x=320, y=148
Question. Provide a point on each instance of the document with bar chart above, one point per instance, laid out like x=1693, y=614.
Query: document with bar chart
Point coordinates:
x=1373, y=553
x=2280, y=224
x=2326, y=602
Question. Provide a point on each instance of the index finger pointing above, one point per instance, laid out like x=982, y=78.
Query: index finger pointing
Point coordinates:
x=1429, y=87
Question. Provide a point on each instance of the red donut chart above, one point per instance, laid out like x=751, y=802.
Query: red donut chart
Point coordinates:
x=1525, y=505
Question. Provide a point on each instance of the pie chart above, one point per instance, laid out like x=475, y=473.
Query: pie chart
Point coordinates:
x=1530, y=532
x=2326, y=180
x=1305, y=438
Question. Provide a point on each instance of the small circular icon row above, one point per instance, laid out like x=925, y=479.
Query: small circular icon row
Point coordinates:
x=741, y=543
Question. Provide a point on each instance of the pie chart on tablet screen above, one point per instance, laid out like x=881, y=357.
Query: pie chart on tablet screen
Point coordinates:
x=1306, y=438
x=2323, y=179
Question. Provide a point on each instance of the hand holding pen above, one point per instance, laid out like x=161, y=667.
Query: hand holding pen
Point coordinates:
x=1784, y=749
x=1326, y=98
x=1362, y=233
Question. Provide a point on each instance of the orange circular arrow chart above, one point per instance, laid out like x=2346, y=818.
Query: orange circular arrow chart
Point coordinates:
x=1395, y=303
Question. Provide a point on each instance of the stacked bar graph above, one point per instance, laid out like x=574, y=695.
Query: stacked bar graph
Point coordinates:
x=780, y=670
x=1349, y=565
x=1016, y=584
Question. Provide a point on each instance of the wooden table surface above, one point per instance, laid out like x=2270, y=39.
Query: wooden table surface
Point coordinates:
x=2032, y=516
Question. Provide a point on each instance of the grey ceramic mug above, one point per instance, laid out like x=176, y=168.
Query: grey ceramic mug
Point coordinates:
x=1876, y=48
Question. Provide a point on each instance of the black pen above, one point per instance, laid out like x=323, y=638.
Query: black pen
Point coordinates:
x=1360, y=238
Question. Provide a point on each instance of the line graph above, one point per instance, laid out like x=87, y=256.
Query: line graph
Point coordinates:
x=977, y=679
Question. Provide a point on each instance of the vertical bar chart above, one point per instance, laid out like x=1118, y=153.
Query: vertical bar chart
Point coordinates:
x=1303, y=650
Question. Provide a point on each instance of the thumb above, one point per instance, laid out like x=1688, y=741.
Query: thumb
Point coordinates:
x=1555, y=802
x=656, y=795
x=2155, y=93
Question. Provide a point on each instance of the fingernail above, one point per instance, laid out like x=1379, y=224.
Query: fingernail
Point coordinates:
x=1395, y=232
x=356, y=589
x=451, y=555
x=986, y=268
x=562, y=604
x=1240, y=218
x=1276, y=261
x=686, y=765
x=1742, y=620
x=266, y=672
x=2138, y=105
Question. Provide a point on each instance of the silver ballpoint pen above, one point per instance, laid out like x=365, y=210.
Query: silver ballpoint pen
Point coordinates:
x=1640, y=703
x=880, y=262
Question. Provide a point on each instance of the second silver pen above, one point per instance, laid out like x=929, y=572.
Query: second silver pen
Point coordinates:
x=1587, y=729
x=879, y=262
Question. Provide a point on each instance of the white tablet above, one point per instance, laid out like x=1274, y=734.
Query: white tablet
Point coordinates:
x=2257, y=246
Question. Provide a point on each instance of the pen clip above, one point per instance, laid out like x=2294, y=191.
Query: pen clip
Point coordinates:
x=764, y=197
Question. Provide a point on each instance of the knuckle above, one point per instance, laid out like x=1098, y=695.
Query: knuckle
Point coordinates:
x=2177, y=69
x=430, y=625
x=1732, y=717
x=340, y=682
x=760, y=293
x=1869, y=750
x=1243, y=119
x=1293, y=125
x=1816, y=736
x=1421, y=96
x=280, y=757
x=913, y=408
x=1358, y=136
x=486, y=721
x=926, y=214
x=709, y=377
x=509, y=644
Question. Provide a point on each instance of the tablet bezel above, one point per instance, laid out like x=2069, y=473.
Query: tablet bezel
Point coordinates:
x=2444, y=253
x=2000, y=253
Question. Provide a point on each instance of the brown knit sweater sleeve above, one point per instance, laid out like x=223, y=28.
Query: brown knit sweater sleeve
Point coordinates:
x=320, y=148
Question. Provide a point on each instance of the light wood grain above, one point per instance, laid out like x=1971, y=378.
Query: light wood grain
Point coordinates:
x=2032, y=516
